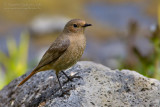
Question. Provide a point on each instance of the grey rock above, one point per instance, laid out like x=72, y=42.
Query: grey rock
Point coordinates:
x=98, y=87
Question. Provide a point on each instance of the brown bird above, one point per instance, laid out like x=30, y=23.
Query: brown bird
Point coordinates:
x=65, y=51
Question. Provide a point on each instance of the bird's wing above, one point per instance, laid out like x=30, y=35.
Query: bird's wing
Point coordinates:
x=54, y=52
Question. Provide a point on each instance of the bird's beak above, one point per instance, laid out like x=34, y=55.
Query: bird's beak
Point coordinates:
x=86, y=25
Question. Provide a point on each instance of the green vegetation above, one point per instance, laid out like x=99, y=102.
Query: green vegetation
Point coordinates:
x=159, y=14
x=146, y=65
x=149, y=65
x=15, y=63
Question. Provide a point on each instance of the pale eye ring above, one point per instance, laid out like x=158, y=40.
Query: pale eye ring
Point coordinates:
x=75, y=25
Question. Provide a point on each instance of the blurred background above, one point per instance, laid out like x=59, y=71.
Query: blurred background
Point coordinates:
x=125, y=34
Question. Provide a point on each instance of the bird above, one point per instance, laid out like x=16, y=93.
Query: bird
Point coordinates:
x=65, y=51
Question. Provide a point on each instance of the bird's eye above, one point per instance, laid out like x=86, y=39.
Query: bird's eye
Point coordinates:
x=75, y=25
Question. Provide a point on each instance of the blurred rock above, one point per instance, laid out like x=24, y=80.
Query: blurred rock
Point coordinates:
x=144, y=46
x=47, y=24
x=109, y=52
x=99, y=87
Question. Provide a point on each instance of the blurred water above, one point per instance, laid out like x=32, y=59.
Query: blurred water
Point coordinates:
x=115, y=16
x=118, y=15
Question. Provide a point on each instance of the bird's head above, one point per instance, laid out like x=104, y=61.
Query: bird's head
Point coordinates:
x=76, y=26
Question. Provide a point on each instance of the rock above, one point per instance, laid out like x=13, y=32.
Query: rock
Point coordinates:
x=99, y=87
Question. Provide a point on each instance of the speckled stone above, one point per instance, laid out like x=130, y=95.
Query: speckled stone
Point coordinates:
x=100, y=87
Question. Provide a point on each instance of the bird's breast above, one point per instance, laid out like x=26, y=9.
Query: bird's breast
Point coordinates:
x=72, y=54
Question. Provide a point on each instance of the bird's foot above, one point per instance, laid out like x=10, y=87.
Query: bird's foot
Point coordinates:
x=64, y=93
x=70, y=78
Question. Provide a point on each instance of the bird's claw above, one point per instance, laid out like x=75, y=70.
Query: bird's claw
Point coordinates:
x=70, y=78
x=64, y=93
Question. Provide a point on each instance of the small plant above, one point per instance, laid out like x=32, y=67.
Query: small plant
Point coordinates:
x=15, y=63
x=159, y=13
x=146, y=65
x=156, y=43
x=149, y=65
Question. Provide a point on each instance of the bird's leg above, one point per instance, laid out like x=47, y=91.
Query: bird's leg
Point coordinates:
x=63, y=92
x=59, y=83
x=70, y=78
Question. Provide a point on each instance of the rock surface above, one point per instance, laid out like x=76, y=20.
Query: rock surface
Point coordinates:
x=99, y=87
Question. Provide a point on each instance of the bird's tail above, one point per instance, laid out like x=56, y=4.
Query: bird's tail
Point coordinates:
x=29, y=76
